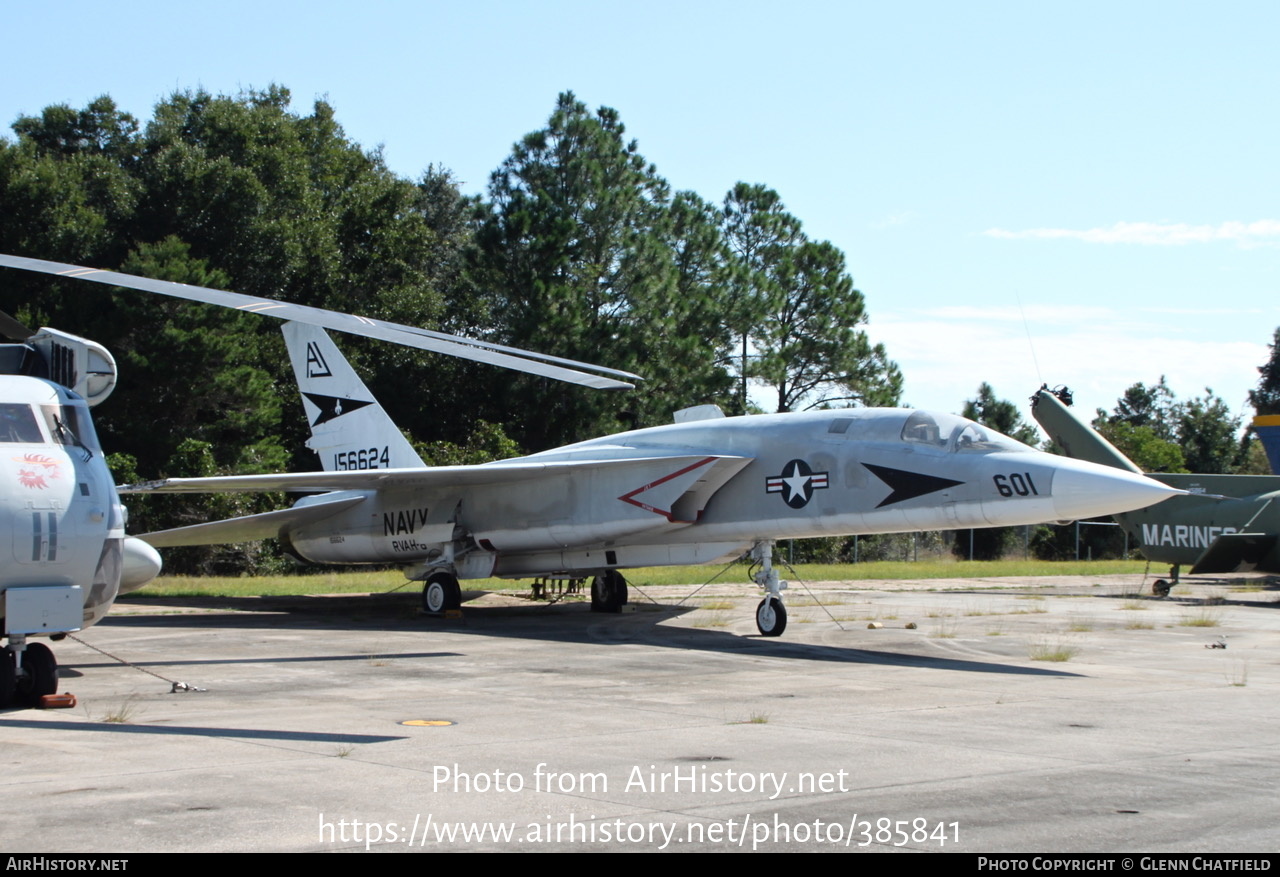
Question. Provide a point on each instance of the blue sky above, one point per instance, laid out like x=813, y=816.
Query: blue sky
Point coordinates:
x=1079, y=193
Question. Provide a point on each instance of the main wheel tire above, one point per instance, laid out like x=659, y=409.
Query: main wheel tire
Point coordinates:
x=1161, y=588
x=8, y=677
x=41, y=676
x=771, y=617
x=608, y=592
x=441, y=594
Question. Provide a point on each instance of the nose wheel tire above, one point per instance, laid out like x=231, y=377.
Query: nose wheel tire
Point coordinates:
x=1161, y=588
x=771, y=617
x=441, y=594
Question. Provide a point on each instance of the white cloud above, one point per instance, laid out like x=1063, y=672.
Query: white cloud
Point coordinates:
x=1262, y=232
x=944, y=358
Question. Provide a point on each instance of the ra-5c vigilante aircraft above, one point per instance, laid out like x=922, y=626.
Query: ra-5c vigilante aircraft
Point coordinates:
x=705, y=488
x=1223, y=523
x=69, y=557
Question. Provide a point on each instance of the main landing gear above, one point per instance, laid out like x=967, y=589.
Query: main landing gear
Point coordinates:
x=28, y=671
x=441, y=593
x=771, y=615
x=608, y=592
x=1161, y=588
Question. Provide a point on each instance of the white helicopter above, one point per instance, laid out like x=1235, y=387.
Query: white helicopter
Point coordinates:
x=70, y=558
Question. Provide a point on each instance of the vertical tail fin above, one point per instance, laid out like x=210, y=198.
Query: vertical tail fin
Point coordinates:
x=349, y=429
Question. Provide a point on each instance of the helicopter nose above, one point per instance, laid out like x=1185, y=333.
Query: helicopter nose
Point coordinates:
x=1087, y=490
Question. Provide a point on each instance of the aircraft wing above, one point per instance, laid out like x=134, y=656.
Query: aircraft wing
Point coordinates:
x=249, y=528
x=665, y=489
x=435, y=477
x=424, y=339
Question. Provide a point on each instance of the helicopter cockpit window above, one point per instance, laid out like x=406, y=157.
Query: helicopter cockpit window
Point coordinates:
x=71, y=425
x=923, y=428
x=18, y=425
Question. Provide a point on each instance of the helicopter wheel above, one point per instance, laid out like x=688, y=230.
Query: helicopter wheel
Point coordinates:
x=771, y=617
x=1161, y=588
x=8, y=677
x=41, y=675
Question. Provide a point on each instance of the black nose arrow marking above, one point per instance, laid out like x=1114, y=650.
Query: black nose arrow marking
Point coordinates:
x=908, y=485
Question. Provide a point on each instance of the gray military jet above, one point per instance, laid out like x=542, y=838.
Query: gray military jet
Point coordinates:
x=705, y=488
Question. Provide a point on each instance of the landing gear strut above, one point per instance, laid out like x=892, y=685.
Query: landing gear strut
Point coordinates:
x=608, y=592
x=771, y=615
x=441, y=593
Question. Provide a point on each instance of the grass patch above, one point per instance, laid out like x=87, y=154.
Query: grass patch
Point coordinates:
x=713, y=619
x=944, y=629
x=1200, y=618
x=124, y=714
x=1054, y=652
x=1139, y=625
x=756, y=718
x=718, y=604
x=1079, y=625
x=1133, y=606
x=1238, y=675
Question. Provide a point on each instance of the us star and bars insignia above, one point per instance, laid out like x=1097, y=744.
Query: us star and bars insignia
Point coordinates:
x=796, y=483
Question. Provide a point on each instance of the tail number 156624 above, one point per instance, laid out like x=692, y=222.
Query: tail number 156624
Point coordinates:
x=373, y=458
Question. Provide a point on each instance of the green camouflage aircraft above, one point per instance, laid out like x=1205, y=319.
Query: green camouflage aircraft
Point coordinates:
x=1224, y=523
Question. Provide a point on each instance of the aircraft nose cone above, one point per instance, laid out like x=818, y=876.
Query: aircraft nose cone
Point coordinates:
x=1086, y=490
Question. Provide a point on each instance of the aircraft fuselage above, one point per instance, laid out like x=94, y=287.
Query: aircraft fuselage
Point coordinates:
x=695, y=492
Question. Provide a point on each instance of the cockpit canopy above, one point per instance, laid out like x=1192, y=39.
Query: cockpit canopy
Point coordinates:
x=955, y=434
